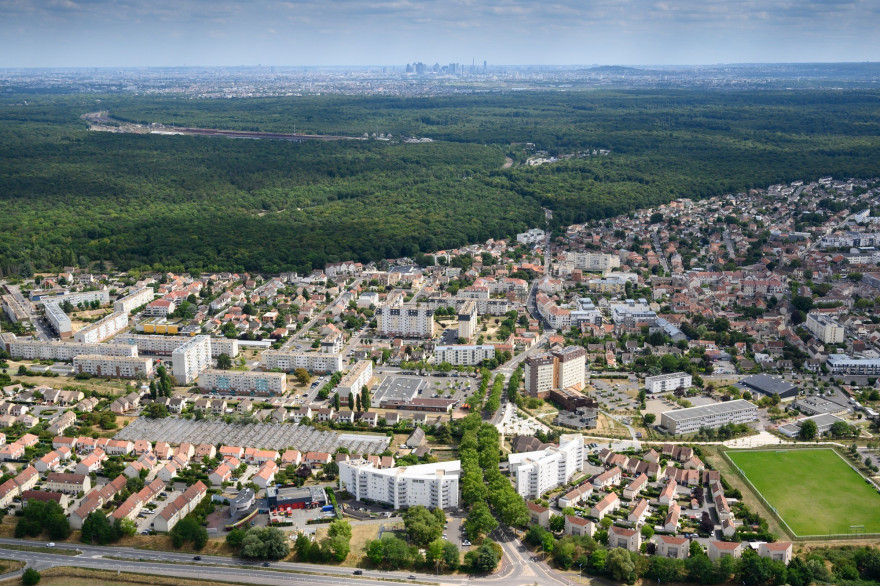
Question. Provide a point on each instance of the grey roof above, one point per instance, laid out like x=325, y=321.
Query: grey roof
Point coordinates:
x=707, y=410
x=767, y=384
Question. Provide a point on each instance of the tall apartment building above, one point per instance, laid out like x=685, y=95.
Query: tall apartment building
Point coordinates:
x=559, y=369
x=101, y=330
x=429, y=485
x=356, y=379
x=590, y=261
x=825, y=329
x=190, y=358
x=663, y=383
x=166, y=345
x=40, y=350
x=312, y=361
x=236, y=382
x=409, y=320
x=682, y=421
x=467, y=320
x=537, y=472
x=58, y=320
x=113, y=366
x=134, y=300
x=101, y=296
x=464, y=354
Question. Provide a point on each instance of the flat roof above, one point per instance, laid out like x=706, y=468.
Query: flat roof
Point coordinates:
x=708, y=410
x=398, y=388
x=767, y=384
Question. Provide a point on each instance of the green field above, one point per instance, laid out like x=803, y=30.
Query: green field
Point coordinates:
x=814, y=491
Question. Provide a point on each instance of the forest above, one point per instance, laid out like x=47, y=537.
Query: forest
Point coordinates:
x=71, y=196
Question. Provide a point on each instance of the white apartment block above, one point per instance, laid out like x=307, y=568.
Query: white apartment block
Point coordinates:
x=632, y=312
x=243, y=382
x=58, y=320
x=166, y=345
x=467, y=320
x=101, y=330
x=190, y=359
x=311, y=361
x=464, y=354
x=535, y=473
x=13, y=309
x=429, y=485
x=682, y=421
x=113, y=366
x=356, y=379
x=663, y=383
x=595, y=262
x=102, y=297
x=40, y=350
x=134, y=300
x=843, y=364
x=409, y=320
x=825, y=329
x=533, y=236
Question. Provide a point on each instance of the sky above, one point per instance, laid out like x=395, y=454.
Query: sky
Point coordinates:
x=128, y=33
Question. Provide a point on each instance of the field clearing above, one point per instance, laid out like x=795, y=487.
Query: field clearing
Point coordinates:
x=360, y=535
x=65, y=576
x=814, y=491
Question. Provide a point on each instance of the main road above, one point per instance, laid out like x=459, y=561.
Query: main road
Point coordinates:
x=516, y=569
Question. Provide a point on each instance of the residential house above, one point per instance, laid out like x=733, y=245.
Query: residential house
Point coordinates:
x=629, y=539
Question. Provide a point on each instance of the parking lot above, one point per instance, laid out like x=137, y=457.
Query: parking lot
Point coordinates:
x=145, y=518
x=272, y=436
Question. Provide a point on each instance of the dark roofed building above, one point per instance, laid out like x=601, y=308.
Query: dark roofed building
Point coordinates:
x=768, y=386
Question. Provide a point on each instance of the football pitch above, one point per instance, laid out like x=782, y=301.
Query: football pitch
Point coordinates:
x=814, y=491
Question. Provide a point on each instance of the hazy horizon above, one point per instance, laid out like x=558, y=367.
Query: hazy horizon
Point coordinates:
x=356, y=33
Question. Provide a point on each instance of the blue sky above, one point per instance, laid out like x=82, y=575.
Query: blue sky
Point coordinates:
x=100, y=33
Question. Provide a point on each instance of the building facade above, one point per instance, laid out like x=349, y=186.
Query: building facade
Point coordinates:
x=664, y=383
x=464, y=354
x=430, y=485
x=356, y=379
x=190, y=358
x=535, y=473
x=312, y=361
x=101, y=330
x=237, y=382
x=682, y=421
x=113, y=366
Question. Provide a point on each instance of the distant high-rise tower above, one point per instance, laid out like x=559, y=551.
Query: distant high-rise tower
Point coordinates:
x=484, y=65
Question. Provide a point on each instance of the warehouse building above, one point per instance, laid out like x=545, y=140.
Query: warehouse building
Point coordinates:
x=768, y=386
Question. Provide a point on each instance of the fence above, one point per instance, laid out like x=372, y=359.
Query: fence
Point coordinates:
x=778, y=517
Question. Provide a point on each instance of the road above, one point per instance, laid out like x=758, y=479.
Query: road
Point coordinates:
x=517, y=568
x=659, y=251
x=295, y=337
x=42, y=331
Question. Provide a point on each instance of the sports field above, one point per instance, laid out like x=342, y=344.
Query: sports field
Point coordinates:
x=814, y=491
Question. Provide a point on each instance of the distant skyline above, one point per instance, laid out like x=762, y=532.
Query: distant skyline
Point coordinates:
x=129, y=33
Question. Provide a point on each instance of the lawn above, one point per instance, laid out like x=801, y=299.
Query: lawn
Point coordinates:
x=814, y=491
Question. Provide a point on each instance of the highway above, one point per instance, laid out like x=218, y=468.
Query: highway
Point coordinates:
x=516, y=569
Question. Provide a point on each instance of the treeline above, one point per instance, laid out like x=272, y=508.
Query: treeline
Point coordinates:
x=68, y=196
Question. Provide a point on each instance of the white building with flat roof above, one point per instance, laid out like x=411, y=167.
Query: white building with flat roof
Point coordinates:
x=113, y=366
x=464, y=354
x=40, y=350
x=166, y=345
x=356, y=379
x=843, y=364
x=682, y=421
x=190, y=358
x=537, y=472
x=593, y=261
x=467, y=320
x=429, y=485
x=99, y=331
x=409, y=320
x=58, y=320
x=289, y=361
x=243, y=382
x=533, y=236
x=663, y=383
x=134, y=300
x=825, y=329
